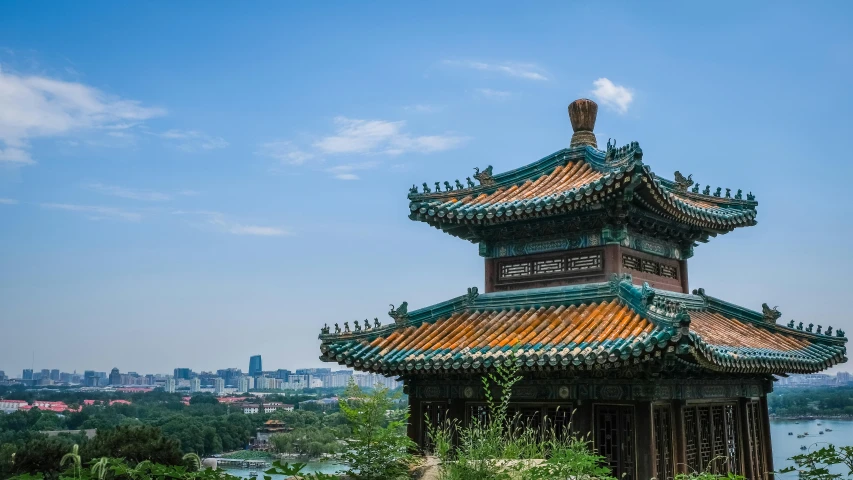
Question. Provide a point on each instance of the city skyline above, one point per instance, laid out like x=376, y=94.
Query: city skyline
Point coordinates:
x=188, y=194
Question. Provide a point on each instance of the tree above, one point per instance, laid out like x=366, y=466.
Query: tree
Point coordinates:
x=135, y=444
x=379, y=448
x=203, y=400
x=41, y=455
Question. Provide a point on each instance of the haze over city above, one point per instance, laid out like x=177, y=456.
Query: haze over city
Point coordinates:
x=187, y=187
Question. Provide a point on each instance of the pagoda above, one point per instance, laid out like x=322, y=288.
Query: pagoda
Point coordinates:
x=586, y=288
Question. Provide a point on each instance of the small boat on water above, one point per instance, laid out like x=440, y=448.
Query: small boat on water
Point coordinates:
x=820, y=432
x=790, y=433
x=801, y=436
x=253, y=474
x=827, y=429
x=803, y=447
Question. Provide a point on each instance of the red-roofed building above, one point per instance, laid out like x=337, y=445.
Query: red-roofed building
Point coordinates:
x=233, y=399
x=58, y=407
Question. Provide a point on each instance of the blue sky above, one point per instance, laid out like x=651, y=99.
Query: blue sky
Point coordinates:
x=192, y=183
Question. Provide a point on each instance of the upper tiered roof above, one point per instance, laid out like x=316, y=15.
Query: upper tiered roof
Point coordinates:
x=600, y=325
x=578, y=179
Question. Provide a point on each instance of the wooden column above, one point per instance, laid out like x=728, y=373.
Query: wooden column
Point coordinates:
x=744, y=438
x=680, y=443
x=612, y=260
x=685, y=284
x=765, y=437
x=413, y=428
x=645, y=441
x=490, y=275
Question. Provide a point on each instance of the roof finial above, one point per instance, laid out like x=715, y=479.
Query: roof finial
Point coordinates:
x=582, y=113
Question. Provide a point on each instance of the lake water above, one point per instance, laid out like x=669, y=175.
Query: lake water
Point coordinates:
x=311, y=467
x=784, y=446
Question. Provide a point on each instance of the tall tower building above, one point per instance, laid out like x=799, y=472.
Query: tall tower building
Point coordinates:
x=255, y=366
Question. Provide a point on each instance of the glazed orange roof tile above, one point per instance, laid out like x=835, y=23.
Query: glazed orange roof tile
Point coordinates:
x=588, y=326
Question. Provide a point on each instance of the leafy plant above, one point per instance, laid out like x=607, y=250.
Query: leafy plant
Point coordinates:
x=816, y=465
x=289, y=470
x=502, y=447
x=379, y=448
x=193, y=460
x=72, y=457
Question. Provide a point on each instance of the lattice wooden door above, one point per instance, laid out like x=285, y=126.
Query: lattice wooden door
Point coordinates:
x=614, y=439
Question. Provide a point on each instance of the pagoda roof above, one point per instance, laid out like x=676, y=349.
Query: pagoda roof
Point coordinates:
x=578, y=179
x=583, y=327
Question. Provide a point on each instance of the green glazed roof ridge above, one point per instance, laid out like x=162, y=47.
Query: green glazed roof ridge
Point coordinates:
x=536, y=169
x=753, y=317
x=544, y=166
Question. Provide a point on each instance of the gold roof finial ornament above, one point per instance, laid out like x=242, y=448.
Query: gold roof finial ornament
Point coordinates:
x=582, y=113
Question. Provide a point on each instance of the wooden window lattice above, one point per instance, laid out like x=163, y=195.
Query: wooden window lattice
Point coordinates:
x=711, y=440
x=663, y=442
x=550, y=266
x=755, y=439
x=690, y=435
x=649, y=266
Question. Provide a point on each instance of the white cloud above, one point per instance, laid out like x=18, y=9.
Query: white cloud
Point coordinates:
x=381, y=137
x=193, y=140
x=614, y=96
x=493, y=94
x=345, y=172
x=527, y=71
x=95, y=212
x=284, y=151
x=40, y=107
x=223, y=223
x=8, y=201
x=135, y=194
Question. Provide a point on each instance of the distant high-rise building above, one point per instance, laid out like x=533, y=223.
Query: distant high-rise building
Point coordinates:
x=230, y=375
x=115, y=377
x=195, y=385
x=282, y=374
x=255, y=366
x=45, y=373
x=54, y=374
x=169, y=386
x=183, y=373
x=27, y=375
x=244, y=384
x=2, y=375
x=219, y=386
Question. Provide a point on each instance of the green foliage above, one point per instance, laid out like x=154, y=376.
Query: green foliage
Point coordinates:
x=135, y=444
x=73, y=458
x=817, y=464
x=203, y=399
x=248, y=455
x=41, y=455
x=708, y=476
x=502, y=448
x=311, y=434
x=379, y=448
x=288, y=470
x=813, y=401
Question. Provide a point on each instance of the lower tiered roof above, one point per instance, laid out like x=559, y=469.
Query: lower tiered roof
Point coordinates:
x=601, y=325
